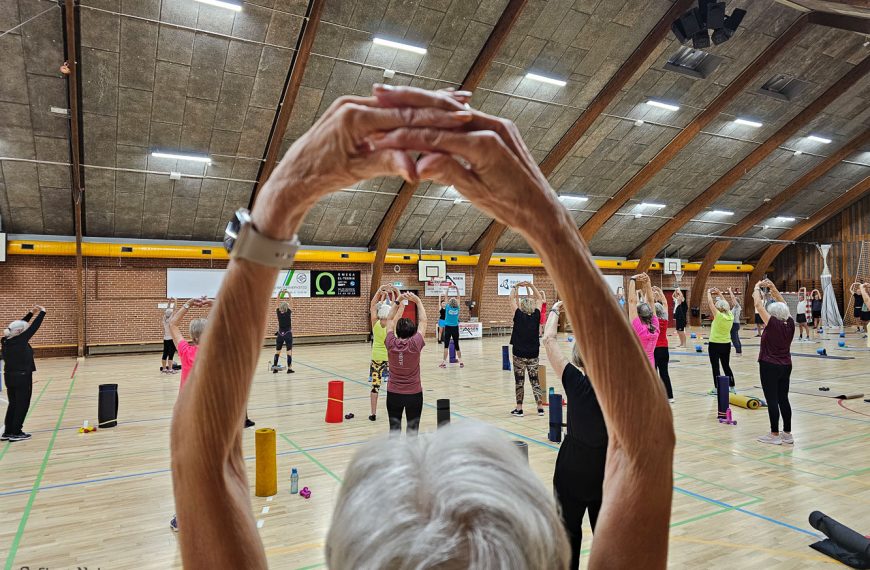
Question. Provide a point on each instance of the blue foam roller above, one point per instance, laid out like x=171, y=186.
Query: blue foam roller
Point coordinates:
x=841, y=344
x=570, y=339
x=555, y=434
x=693, y=335
x=699, y=348
x=842, y=335
x=505, y=358
x=452, y=353
x=822, y=352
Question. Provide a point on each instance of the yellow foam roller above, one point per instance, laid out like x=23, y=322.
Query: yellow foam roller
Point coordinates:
x=542, y=378
x=267, y=462
x=744, y=401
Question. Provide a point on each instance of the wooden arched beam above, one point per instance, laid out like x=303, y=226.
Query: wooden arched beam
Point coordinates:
x=486, y=243
x=685, y=136
x=383, y=235
x=834, y=207
x=657, y=241
x=764, y=211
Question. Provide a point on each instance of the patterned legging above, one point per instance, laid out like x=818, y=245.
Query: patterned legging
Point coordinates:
x=521, y=365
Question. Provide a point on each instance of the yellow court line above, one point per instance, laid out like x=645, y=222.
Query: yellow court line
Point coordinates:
x=733, y=545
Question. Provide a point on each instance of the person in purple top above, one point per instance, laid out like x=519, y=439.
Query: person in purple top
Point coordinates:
x=404, y=344
x=774, y=362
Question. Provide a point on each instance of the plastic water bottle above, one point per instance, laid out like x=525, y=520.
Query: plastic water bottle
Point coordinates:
x=294, y=482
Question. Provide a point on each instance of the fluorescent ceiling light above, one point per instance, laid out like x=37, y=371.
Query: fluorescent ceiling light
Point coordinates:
x=398, y=45
x=747, y=122
x=722, y=212
x=229, y=4
x=177, y=156
x=651, y=205
x=785, y=218
x=663, y=105
x=573, y=197
x=543, y=79
x=822, y=140
x=457, y=201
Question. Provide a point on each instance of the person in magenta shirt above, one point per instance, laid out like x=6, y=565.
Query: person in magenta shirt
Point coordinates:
x=187, y=350
x=643, y=320
x=404, y=344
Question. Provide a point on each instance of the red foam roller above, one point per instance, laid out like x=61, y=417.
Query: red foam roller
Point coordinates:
x=335, y=402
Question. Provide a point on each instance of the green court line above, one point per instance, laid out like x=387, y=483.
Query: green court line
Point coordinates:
x=739, y=492
x=30, y=411
x=13, y=549
x=714, y=513
x=311, y=458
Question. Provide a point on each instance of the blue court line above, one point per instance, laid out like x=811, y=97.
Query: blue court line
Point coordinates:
x=159, y=471
x=799, y=354
x=742, y=510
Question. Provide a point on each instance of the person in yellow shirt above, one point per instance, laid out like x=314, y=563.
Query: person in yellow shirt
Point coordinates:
x=379, y=311
x=720, y=335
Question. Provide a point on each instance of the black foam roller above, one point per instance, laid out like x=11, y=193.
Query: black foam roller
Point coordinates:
x=107, y=409
x=443, y=408
x=844, y=536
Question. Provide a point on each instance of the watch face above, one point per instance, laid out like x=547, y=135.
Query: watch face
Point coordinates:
x=231, y=233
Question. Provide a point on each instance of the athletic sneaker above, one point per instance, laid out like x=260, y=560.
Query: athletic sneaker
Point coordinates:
x=291, y=371
x=670, y=400
x=274, y=370
x=5, y=437
x=786, y=438
x=771, y=439
x=461, y=364
x=540, y=411
x=173, y=524
x=249, y=423
x=20, y=436
x=373, y=417
x=516, y=412
x=443, y=364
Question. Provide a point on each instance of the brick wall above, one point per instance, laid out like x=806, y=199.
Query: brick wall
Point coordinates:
x=121, y=296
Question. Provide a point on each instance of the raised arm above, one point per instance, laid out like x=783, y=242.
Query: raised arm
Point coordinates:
x=758, y=298
x=732, y=300
x=711, y=302
x=558, y=362
x=380, y=295
x=632, y=298
x=515, y=303
x=34, y=326
x=865, y=293
x=659, y=296
x=421, y=313
x=774, y=292
x=396, y=312
x=540, y=298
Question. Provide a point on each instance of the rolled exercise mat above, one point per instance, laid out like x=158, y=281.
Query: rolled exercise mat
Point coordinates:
x=523, y=447
x=843, y=543
x=555, y=418
x=542, y=379
x=443, y=409
x=452, y=353
x=505, y=358
x=742, y=401
x=267, y=462
x=722, y=395
x=335, y=402
x=107, y=406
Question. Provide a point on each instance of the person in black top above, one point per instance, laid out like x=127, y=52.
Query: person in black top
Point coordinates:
x=681, y=310
x=284, y=334
x=578, y=480
x=526, y=344
x=816, y=308
x=442, y=314
x=859, y=311
x=19, y=368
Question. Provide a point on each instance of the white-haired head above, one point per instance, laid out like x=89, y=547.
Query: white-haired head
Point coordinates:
x=15, y=328
x=779, y=310
x=660, y=311
x=167, y=314
x=722, y=305
x=384, y=310
x=527, y=305
x=196, y=328
x=461, y=497
x=454, y=302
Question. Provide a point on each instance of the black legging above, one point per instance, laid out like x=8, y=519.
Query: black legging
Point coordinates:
x=735, y=337
x=168, y=349
x=577, y=481
x=662, y=356
x=19, y=388
x=774, y=381
x=411, y=404
x=721, y=352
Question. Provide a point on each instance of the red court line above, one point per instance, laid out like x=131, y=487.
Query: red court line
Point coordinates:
x=76, y=367
x=842, y=405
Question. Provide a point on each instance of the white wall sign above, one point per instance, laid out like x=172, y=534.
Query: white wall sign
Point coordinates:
x=615, y=282
x=507, y=280
x=188, y=283
x=2, y=247
x=457, y=280
x=470, y=330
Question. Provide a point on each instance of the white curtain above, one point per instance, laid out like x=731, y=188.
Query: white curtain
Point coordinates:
x=830, y=312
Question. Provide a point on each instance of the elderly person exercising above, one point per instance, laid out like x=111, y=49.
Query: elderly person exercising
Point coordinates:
x=526, y=344
x=774, y=361
x=485, y=159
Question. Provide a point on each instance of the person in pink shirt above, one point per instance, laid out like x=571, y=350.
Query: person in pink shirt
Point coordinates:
x=643, y=319
x=187, y=350
x=404, y=344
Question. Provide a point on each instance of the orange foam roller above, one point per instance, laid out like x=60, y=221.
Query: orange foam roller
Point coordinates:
x=267, y=463
x=335, y=402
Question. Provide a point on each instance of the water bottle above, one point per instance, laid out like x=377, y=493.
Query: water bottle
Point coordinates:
x=552, y=390
x=294, y=482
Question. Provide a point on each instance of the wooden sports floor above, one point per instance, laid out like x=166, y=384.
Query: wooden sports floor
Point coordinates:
x=105, y=499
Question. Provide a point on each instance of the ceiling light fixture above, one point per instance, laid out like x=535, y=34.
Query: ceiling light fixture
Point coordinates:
x=785, y=218
x=573, y=197
x=544, y=79
x=228, y=4
x=663, y=105
x=748, y=123
x=651, y=205
x=822, y=140
x=722, y=212
x=638, y=122
x=798, y=152
x=457, y=201
x=398, y=45
x=178, y=156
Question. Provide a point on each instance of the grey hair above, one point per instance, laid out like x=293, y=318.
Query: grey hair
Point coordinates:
x=645, y=313
x=722, y=305
x=779, y=310
x=576, y=357
x=527, y=305
x=661, y=312
x=283, y=306
x=197, y=326
x=454, y=302
x=15, y=328
x=167, y=313
x=451, y=502
x=384, y=310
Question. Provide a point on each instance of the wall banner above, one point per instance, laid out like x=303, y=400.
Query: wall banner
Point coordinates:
x=507, y=280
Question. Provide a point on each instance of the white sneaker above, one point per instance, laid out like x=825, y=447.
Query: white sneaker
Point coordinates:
x=771, y=439
x=670, y=400
x=786, y=438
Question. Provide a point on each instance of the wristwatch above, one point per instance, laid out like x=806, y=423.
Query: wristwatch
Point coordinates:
x=243, y=241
